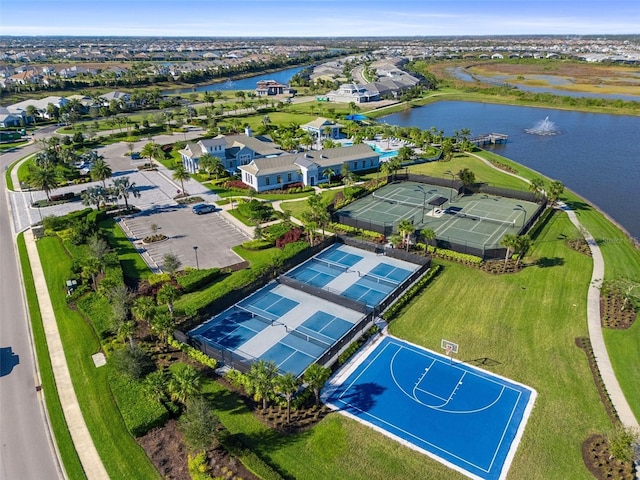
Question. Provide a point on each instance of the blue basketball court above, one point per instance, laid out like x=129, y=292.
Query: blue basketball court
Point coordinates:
x=467, y=418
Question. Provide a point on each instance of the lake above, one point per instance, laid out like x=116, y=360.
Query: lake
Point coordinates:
x=595, y=155
x=282, y=76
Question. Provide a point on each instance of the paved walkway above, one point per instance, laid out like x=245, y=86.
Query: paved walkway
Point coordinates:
x=91, y=462
x=594, y=322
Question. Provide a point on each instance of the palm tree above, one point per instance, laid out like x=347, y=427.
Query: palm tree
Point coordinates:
x=122, y=188
x=185, y=382
x=555, y=190
x=329, y=172
x=180, y=173
x=287, y=386
x=509, y=241
x=536, y=186
x=522, y=246
x=155, y=386
x=212, y=165
x=94, y=196
x=162, y=325
x=315, y=376
x=261, y=380
x=43, y=179
x=406, y=229
x=101, y=171
x=144, y=309
x=310, y=225
x=429, y=234
x=171, y=264
x=149, y=150
x=167, y=294
x=467, y=177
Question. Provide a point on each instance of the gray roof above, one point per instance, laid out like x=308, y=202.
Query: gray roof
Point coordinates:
x=322, y=158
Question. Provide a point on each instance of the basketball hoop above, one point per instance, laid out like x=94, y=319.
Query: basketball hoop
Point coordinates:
x=450, y=348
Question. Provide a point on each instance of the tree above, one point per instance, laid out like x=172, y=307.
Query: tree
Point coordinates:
x=185, y=382
x=628, y=288
x=287, y=385
x=162, y=325
x=43, y=179
x=555, y=190
x=467, y=177
x=405, y=153
x=100, y=170
x=180, y=173
x=32, y=112
x=316, y=376
x=122, y=187
x=149, y=150
x=155, y=386
x=171, y=264
x=510, y=242
x=94, y=196
x=167, y=295
x=132, y=361
x=261, y=380
x=98, y=247
x=522, y=246
x=144, y=309
x=406, y=229
x=329, y=172
x=198, y=425
x=536, y=186
x=212, y=165
x=346, y=174
x=429, y=234
x=91, y=269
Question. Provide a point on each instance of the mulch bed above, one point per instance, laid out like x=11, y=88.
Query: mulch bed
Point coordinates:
x=611, y=313
x=579, y=245
x=497, y=267
x=166, y=450
x=596, y=456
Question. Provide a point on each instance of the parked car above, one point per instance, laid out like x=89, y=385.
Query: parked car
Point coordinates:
x=201, y=208
x=135, y=156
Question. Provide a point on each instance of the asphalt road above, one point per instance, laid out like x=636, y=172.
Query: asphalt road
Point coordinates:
x=26, y=447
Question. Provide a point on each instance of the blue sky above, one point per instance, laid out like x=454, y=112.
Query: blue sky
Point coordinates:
x=241, y=18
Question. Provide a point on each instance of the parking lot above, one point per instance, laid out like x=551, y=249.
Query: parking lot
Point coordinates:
x=211, y=233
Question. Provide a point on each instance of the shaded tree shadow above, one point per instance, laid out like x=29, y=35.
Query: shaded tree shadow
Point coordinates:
x=361, y=398
x=483, y=362
x=546, y=262
x=121, y=173
x=8, y=360
x=578, y=205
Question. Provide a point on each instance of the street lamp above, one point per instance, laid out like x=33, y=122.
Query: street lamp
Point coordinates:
x=195, y=250
x=448, y=172
x=524, y=211
x=424, y=201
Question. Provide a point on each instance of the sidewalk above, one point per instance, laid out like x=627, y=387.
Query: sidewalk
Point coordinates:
x=91, y=462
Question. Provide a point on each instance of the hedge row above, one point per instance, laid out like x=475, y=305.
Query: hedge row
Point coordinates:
x=410, y=294
x=355, y=346
x=194, y=353
x=366, y=234
x=450, y=254
x=194, y=279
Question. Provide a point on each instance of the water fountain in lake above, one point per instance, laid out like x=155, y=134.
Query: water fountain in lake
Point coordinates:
x=543, y=127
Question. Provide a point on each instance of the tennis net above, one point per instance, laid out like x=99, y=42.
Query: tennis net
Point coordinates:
x=380, y=280
x=397, y=202
x=266, y=317
x=308, y=338
x=506, y=223
x=334, y=266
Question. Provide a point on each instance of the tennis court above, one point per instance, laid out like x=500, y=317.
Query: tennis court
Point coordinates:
x=479, y=221
x=366, y=279
x=467, y=418
x=292, y=326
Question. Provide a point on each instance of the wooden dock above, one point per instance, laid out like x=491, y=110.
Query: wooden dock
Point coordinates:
x=489, y=139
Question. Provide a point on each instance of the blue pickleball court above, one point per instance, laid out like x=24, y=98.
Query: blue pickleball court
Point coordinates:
x=467, y=418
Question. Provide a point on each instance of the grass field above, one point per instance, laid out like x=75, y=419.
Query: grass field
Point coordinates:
x=63, y=440
x=121, y=455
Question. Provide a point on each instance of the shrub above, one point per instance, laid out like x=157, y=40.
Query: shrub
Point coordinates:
x=157, y=278
x=194, y=353
x=410, y=294
x=199, y=467
x=291, y=236
x=236, y=185
x=131, y=361
x=355, y=346
x=455, y=256
x=194, y=279
x=255, y=210
x=236, y=378
x=140, y=414
x=257, y=244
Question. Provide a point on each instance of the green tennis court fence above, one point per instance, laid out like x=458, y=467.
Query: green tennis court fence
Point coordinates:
x=324, y=294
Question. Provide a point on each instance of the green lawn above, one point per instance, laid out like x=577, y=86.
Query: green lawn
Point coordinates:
x=121, y=455
x=67, y=450
x=528, y=323
x=133, y=266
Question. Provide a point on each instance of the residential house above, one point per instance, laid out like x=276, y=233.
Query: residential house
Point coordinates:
x=40, y=105
x=233, y=150
x=12, y=118
x=271, y=87
x=309, y=168
x=323, y=128
x=123, y=98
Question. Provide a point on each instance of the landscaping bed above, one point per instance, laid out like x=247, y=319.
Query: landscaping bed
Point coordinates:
x=579, y=245
x=598, y=459
x=611, y=313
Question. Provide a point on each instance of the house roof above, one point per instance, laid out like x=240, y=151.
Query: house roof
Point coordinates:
x=321, y=122
x=322, y=158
